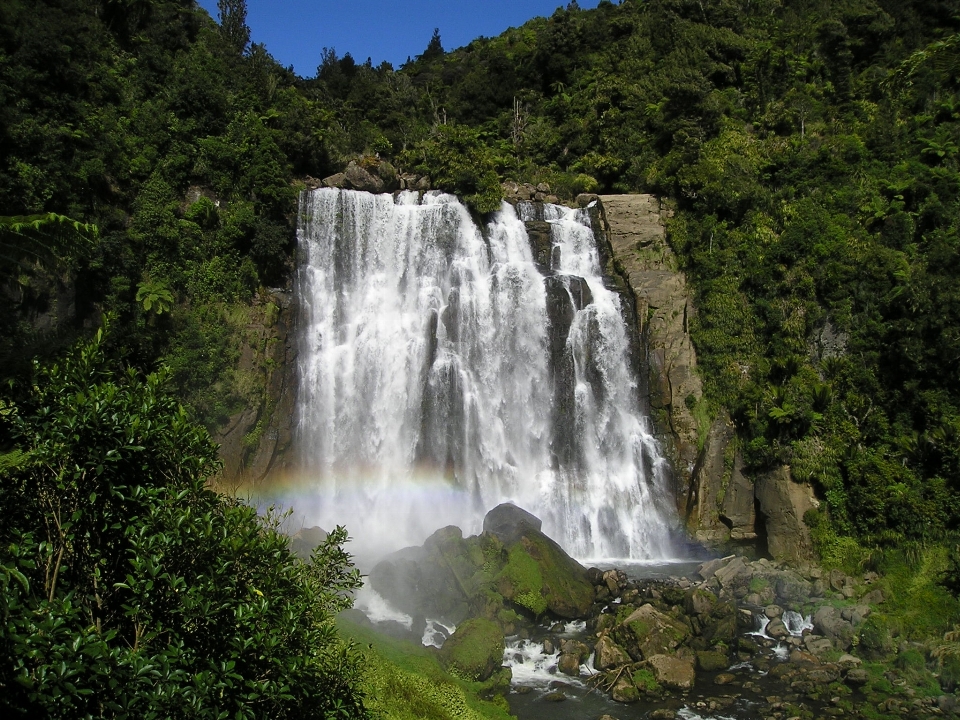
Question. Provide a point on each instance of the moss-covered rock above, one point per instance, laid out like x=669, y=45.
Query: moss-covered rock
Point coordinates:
x=647, y=632
x=539, y=576
x=474, y=651
x=711, y=661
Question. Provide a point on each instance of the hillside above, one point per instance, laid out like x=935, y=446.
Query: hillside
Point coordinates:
x=810, y=150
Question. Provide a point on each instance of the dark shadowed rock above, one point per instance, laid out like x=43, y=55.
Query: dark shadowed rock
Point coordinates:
x=303, y=543
x=508, y=522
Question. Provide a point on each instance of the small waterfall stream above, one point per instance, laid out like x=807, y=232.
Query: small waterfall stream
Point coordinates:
x=441, y=374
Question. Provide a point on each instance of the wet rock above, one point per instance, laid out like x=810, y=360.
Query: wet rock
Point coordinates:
x=776, y=629
x=569, y=664
x=724, y=679
x=773, y=611
x=548, y=647
x=624, y=691
x=711, y=660
x=474, y=651
x=673, y=672
x=576, y=648
x=651, y=632
x=609, y=655
x=748, y=646
x=555, y=696
x=508, y=522
x=699, y=601
x=334, y=181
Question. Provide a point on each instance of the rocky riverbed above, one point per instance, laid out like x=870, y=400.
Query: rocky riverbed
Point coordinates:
x=736, y=638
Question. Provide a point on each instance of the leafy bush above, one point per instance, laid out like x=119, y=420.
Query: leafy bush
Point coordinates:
x=131, y=588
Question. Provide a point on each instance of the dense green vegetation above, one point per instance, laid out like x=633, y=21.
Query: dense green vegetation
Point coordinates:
x=128, y=588
x=149, y=165
x=811, y=149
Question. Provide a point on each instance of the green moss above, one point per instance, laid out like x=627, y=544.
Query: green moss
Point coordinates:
x=474, y=651
x=645, y=682
x=758, y=584
x=523, y=574
x=404, y=681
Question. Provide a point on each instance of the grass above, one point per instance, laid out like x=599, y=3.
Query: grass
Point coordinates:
x=404, y=681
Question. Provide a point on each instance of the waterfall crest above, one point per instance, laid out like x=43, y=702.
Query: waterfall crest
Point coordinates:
x=441, y=374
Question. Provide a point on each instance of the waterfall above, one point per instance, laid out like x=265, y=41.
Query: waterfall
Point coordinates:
x=442, y=373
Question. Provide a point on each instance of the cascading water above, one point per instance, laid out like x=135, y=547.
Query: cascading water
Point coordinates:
x=442, y=373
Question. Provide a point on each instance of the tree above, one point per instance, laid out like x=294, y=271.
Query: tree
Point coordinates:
x=434, y=48
x=233, y=24
x=129, y=588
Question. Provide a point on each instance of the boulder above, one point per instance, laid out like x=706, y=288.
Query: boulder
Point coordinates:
x=569, y=664
x=507, y=522
x=609, y=655
x=648, y=632
x=776, y=629
x=673, y=672
x=304, y=541
x=334, y=181
x=624, y=691
x=359, y=178
x=856, y=677
x=438, y=579
x=475, y=651
x=699, y=601
x=828, y=622
x=729, y=573
x=538, y=575
x=711, y=660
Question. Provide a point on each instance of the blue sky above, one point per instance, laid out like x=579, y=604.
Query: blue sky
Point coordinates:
x=295, y=31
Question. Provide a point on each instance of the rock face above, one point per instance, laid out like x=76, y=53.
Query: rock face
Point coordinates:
x=718, y=501
x=255, y=441
x=643, y=258
x=511, y=565
x=783, y=503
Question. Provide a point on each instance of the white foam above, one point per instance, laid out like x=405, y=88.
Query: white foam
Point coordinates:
x=436, y=633
x=378, y=610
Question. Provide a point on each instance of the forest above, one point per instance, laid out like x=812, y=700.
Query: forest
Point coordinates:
x=150, y=162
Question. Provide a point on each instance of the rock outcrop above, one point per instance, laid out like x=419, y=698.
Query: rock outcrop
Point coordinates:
x=641, y=255
x=512, y=566
x=783, y=503
x=255, y=441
